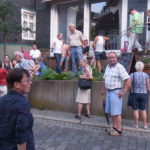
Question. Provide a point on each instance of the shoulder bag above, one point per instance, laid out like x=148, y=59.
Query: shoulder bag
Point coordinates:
x=131, y=95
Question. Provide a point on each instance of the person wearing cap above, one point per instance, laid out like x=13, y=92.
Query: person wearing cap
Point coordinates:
x=136, y=29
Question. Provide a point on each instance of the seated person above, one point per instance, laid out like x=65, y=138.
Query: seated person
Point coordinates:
x=3, y=84
x=65, y=56
x=39, y=67
x=85, y=48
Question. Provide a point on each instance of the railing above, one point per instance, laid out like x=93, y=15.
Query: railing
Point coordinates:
x=115, y=40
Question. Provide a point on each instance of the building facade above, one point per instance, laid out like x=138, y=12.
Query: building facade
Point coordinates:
x=47, y=18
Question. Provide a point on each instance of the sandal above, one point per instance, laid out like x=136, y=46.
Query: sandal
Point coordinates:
x=78, y=116
x=88, y=115
x=116, y=133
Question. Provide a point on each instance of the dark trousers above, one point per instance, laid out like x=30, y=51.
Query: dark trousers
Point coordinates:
x=58, y=59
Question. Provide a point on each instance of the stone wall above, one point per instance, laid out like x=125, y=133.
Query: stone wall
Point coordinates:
x=61, y=95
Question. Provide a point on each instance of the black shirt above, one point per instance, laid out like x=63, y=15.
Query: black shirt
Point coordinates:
x=85, y=49
x=16, y=122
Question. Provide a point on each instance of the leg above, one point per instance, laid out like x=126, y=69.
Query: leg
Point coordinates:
x=137, y=44
x=118, y=122
x=131, y=42
x=98, y=64
x=88, y=109
x=57, y=57
x=114, y=122
x=67, y=63
x=79, y=109
x=136, y=117
x=144, y=117
x=79, y=55
x=73, y=60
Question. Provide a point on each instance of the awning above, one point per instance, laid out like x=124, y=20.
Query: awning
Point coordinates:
x=56, y=1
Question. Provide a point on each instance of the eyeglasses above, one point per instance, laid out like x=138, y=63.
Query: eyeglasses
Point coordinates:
x=28, y=80
x=111, y=57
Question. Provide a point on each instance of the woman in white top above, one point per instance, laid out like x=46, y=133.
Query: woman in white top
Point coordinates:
x=98, y=45
x=57, y=49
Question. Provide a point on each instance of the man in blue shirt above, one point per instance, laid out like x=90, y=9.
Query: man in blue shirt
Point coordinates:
x=16, y=120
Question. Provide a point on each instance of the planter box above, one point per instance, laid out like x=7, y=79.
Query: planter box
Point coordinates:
x=60, y=95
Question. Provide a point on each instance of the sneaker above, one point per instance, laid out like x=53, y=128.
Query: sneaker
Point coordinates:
x=145, y=127
x=78, y=116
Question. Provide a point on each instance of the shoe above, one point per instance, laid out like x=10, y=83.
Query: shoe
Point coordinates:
x=116, y=133
x=78, y=116
x=136, y=126
x=145, y=127
x=88, y=115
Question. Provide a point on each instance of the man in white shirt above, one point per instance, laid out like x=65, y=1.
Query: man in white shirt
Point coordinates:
x=57, y=50
x=116, y=83
x=34, y=52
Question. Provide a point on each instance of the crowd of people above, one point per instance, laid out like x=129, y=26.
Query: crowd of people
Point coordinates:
x=16, y=120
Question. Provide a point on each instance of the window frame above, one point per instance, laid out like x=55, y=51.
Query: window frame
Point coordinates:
x=28, y=13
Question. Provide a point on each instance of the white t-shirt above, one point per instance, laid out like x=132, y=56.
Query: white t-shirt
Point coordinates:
x=100, y=44
x=35, y=53
x=57, y=46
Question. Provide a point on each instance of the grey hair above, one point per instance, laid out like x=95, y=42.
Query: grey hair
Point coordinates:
x=139, y=66
x=71, y=24
x=18, y=53
x=84, y=59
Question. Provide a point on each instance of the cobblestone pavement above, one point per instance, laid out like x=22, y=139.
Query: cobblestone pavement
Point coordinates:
x=58, y=135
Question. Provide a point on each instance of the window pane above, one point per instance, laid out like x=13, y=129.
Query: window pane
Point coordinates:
x=25, y=34
x=25, y=16
x=105, y=20
x=30, y=17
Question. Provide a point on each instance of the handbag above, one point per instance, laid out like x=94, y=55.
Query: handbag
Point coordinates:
x=131, y=95
x=84, y=84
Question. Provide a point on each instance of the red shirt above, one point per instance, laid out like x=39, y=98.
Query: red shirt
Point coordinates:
x=26, y=55
x=3, y=74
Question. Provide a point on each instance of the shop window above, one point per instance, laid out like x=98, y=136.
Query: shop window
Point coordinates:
x=28, y=21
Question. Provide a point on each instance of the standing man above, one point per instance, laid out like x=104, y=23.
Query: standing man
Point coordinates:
x=116, y=84
x=75, y=39
x=57, y=50
x=16, y=120
x=136, y=30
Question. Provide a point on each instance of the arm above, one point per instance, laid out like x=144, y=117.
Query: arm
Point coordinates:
x=21, y=146
x=125, y=87
x=148, y=85
x=2, y=64
x=106, y=38
x=11, y=65
x=94, y=42
x=135, y=22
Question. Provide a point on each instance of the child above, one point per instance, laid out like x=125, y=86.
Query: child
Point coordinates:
x=65, y=56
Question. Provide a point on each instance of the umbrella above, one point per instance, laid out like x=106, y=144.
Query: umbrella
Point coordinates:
x=106, y=114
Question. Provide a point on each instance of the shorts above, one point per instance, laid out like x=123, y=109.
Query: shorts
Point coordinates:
x=113, y=103
x=140, y=101
x=98, y=55
x=3, y=90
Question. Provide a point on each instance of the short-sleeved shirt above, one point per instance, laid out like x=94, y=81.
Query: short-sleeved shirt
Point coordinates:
x=16, y=122
x=3, y=74
x=140, y=82
x=138, y=27
x=58, y=46
x=75, y=39
x=35, y=53
x=114, y=76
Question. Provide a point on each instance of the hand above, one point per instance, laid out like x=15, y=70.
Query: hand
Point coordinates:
x=81, y=76
x=121, y=93
x=102, y=92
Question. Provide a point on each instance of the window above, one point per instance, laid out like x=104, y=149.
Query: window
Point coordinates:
x=28, y=20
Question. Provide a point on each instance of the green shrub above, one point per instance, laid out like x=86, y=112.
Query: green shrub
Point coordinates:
x=97, y=76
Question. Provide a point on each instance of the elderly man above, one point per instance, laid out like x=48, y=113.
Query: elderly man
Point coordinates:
x=136, y=30
x=75, y=39
x=16, y=120
x=116, y=84
x=23, y=63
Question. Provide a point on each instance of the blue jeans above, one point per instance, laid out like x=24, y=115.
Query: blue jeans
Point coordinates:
x=58, y=59
x=75, y=53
